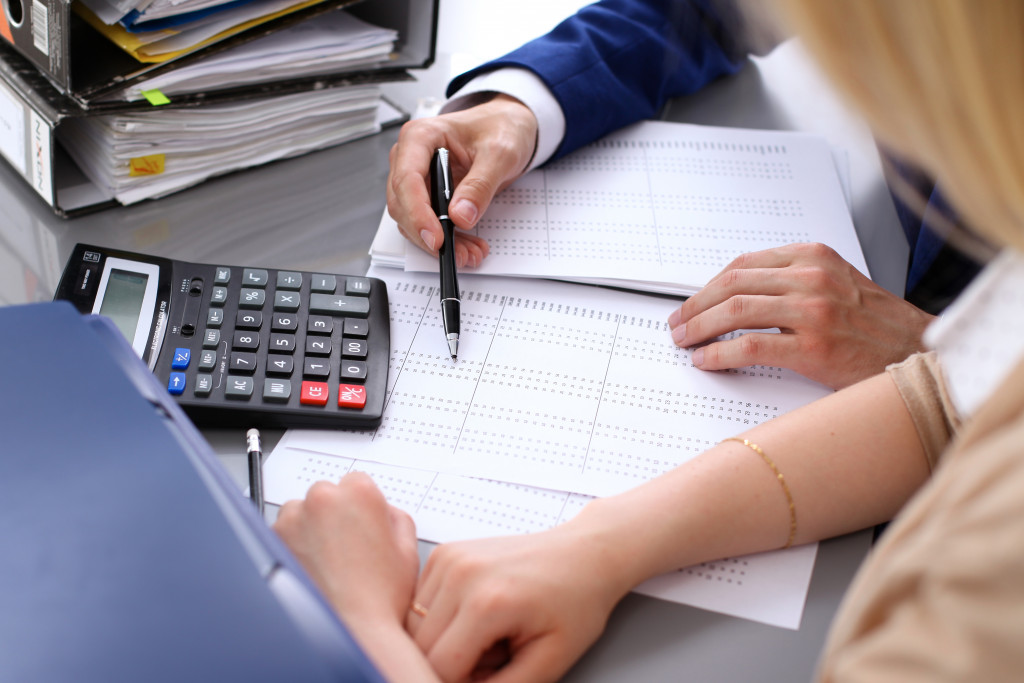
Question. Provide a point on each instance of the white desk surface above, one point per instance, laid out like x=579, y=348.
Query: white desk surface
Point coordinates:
x=319, y=213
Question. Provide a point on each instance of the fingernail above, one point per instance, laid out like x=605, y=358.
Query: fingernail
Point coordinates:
x=466, y=210
x=679, y=334
x=428, y=239
x=673, y=318
x=698, y=357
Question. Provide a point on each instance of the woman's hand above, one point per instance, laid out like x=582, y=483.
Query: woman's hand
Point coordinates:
x=522, y=608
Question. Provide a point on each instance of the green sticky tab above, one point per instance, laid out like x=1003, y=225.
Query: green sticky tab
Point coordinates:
x=155, y=97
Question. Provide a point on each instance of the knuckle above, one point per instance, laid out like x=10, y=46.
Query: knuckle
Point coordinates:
x=737, y=306
x=751, y=347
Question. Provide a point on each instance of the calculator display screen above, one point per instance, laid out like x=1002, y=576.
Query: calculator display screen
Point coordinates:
x=127, y=295
x=122, y=301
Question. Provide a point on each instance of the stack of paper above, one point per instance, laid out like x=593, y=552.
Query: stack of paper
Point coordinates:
x=330, y=43
x=141, y=155
x=167, y=38
x=659, y=207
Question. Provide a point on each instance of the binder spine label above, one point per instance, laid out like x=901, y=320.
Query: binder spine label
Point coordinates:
x=41, y=27
x=12, y=129
x=41, y=156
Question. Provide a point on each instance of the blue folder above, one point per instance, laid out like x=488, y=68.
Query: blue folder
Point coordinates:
x=127, y=552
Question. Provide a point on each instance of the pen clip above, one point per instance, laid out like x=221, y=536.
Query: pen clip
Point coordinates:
x=446, y=174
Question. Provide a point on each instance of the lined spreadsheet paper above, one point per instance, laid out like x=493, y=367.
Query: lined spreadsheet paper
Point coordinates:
x=560, y=386
x=561, y=392
x=659, y=207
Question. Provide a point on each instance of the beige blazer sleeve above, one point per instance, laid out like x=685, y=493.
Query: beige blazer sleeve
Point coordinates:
x=941, y=597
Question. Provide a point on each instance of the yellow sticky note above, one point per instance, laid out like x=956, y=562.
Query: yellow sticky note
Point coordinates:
x=155, y=97
x=152, y=164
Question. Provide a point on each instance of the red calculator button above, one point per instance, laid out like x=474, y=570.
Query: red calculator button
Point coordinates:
x=351, y=396
x=314, y=393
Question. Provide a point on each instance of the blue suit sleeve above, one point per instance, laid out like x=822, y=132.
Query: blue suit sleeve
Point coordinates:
x=618, y=61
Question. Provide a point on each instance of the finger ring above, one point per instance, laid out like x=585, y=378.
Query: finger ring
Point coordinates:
x=417, y=608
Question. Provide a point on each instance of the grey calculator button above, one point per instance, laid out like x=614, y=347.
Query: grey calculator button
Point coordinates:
x=278, y=364
x=284, y=323
x=255, y=277
x=318, y=346
x=215, y=317
x=243, y=361
x=287, y=279
x=277, y=389
x=211, y=339
x=218, y=295
x=249, y=320
x=251, y=298
x=356, y=306
x=222, y=276
x=246, y=339
x=354, y=348
x=353, y=370
x=238, y=387
x=204, y=383
x=323, y=283
x=355, y=327
x=286, y=301
x=320, y=324
x=207, y=360
x=357, y=286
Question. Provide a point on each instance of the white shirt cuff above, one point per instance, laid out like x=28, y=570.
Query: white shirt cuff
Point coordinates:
x=529, y=89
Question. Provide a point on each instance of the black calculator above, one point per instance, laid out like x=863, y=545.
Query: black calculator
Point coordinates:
x=245, y=346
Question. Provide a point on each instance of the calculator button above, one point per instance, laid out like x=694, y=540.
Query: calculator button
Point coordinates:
x=284, y=323
x=320, y=324
x=353, y=370
x=255, y=277
x=318, y=346
x=356, y=306
x=215, y=317
x=354, y=348
x=286, y=301
x=211, y=338
x=287, y=279
x=243, y=362
x=181, y=358
x=354, y=327
x=249, y=320
x=277, y=389
x=279, y=365
x=238, y=387
x=351, y=396
x=323, y=283
x=176, y=383
x=282, y=343
x=222, y=276
x=251, y=298
x=316, y=367
x=218, y=295
x=204, y=384
x=357, y=286
x=207, y=361
x=246, y=340
x=314, y=394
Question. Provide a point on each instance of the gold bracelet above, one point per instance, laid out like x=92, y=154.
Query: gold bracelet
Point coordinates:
x=782, y=480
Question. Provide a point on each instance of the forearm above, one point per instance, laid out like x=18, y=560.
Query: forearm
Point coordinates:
x=392, y=650
x=850, y=461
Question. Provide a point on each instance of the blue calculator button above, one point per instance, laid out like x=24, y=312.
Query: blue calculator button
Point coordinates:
x=181, y=359
x=176, y=384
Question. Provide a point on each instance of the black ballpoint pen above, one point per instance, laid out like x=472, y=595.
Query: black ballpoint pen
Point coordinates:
x=440, y=194
x=255, y=451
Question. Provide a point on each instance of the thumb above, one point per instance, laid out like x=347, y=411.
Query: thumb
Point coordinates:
x=487, y=176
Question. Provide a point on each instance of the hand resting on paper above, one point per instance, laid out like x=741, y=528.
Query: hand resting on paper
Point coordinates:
x=361, y=552
x=837, y=326
x=490, y=146
x=536, y=599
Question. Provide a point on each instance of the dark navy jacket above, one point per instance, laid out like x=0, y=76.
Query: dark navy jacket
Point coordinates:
x=618, y=61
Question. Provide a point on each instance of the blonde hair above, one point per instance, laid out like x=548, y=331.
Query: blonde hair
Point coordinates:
x=942, y=83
